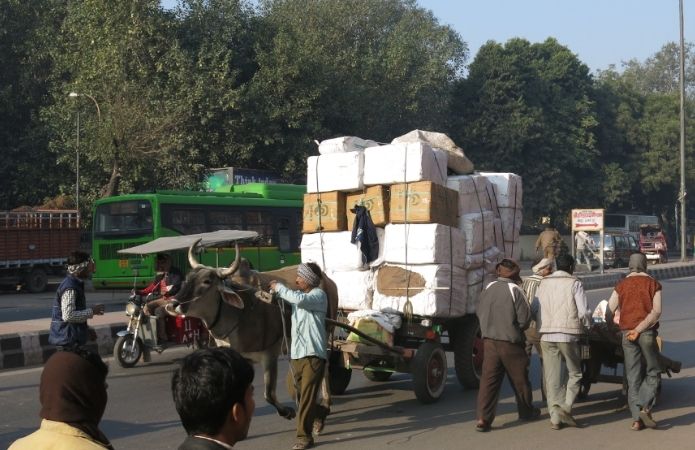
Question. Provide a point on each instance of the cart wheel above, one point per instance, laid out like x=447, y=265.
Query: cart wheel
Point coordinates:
x=126, y=352
x=36, y=281
x=467, y=343
x=373, y=375
x=338, y=375
x=429, y=372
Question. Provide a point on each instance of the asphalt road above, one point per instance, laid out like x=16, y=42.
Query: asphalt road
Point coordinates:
x=26, y=306
x=372, y=415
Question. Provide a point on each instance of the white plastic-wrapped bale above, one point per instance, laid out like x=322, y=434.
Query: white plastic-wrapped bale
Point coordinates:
x=512, y=250
x=476, y=193
x=508, y=189
x=511, y=223
x=492, y=256
x=489, y=258
x=404, y=163
x=424, y=243
x=344, y=144
x=335, y=172
x=499, y=236
x=474, y=283
x=337, y=251
x=478, y=230
x=433, y=290
x=355, y=288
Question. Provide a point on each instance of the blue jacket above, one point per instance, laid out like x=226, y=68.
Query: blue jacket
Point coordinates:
x=68, y=333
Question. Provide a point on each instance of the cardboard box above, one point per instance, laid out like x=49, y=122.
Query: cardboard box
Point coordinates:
x=371, y=328
x=324, y=212
x=423, y=202
x=375, y=199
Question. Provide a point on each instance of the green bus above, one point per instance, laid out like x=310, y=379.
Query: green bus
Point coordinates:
x=274, y=211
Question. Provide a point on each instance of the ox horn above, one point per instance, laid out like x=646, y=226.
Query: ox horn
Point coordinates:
x=191, y=257
x=224, y=273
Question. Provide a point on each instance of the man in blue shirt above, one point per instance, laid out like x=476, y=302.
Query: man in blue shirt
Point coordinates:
x=308, y=353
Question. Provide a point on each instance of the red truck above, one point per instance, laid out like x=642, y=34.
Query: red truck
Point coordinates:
x=35, y=244
x=652, y=243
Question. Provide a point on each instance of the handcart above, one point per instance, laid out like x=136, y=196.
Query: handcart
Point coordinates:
x=602, y=349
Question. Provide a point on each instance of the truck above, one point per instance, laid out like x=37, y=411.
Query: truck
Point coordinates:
x=35, y=244
x=652, y=242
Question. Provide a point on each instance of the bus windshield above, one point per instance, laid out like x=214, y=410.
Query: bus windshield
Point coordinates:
x=127, y=218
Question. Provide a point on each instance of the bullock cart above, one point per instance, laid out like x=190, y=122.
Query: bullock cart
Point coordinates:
x=419, y=348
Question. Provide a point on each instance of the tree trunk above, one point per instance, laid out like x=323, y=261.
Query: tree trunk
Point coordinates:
x=111, y=187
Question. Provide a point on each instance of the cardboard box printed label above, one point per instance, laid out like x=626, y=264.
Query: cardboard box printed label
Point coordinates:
x=423, y=202
x=375, y=199
x=324, y=212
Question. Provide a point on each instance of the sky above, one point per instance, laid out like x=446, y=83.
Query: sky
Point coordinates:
x=599, y=32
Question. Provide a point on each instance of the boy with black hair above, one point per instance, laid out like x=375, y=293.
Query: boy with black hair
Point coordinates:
x=213, y=394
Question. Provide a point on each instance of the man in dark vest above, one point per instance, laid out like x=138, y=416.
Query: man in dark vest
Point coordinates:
x=70, y=312
x=639, y=298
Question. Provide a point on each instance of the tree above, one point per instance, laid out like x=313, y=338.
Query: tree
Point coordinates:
x=529, y=109
x=27, y=174
x=124, y=54
x=370, y=68
x=217, y=39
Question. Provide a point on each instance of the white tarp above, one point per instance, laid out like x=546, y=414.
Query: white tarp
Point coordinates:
x=337, y=251
x=219, y=238
x=389, y=322
x=424, y=243
x=444, y=293
x=404, y=163
x=344, y=144
x=457, y=160
x=335, y=172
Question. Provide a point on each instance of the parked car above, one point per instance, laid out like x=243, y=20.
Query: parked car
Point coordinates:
x=617, y=248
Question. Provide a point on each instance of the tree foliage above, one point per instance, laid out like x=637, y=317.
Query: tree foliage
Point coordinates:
x=528, y=108
x=253, y=83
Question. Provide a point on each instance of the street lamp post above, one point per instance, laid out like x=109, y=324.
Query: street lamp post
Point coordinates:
x=77, y=146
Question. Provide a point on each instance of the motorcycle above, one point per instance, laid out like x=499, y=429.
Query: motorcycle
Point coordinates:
x=140, y=337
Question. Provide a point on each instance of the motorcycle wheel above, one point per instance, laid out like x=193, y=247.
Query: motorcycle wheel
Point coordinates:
x=125, y=352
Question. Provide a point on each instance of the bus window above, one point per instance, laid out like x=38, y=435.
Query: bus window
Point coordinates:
x=262, y=223
x=284, y=240
x=614, y=221
x=185, y=220
x=224, y=219
x=123, y=218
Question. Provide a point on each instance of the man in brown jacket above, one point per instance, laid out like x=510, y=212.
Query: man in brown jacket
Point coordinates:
x=548, y=242
x=639, y=298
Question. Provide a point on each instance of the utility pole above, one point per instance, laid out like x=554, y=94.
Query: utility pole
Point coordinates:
x=681, y=195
